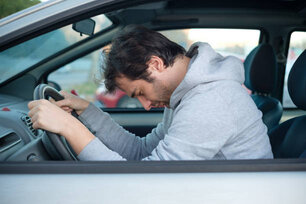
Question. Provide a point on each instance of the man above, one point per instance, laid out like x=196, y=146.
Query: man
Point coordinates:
x=208, y=114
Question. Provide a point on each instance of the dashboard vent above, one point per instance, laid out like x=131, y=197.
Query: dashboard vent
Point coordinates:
x=27, y=121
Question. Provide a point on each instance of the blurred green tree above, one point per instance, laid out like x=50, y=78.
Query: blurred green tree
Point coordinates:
x=8, y=7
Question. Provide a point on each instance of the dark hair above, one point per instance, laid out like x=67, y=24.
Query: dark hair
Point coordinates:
x=130, y=51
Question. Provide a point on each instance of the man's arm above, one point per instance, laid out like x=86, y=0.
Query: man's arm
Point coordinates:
x=192, y=135
x=116, y=138
x=113, y=136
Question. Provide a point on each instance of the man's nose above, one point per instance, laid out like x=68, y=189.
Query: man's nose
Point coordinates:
x=144, y=102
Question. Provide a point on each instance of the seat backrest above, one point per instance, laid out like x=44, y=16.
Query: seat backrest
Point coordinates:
x=288, y=140
x=260, y=77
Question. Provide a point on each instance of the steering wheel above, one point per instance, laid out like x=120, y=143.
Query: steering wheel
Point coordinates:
x=56, y=145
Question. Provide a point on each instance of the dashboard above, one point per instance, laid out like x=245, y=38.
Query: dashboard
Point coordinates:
x=19, y=141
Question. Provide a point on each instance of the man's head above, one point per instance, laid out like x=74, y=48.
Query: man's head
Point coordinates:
x=138, y=62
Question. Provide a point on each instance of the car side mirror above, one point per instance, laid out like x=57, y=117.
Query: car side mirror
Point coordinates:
x=86, y=27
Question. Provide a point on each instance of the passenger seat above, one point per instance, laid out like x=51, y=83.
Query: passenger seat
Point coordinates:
x=288, y=140
x=260, y=77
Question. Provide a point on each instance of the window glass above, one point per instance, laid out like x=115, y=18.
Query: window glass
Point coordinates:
x=18, y=58
x=79, y=76
x=296, y=47
x=238, y=43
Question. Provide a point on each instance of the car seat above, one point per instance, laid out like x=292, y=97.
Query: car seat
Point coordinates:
x=260, y=77
x=288, y=140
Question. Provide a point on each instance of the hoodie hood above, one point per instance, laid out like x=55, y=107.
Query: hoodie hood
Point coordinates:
x=207, y=66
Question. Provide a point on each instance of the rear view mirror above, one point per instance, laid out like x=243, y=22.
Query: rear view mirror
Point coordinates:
x=86, y=27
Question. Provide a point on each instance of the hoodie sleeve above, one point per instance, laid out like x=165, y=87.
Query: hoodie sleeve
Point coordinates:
x=113, y=142
x=192, y=136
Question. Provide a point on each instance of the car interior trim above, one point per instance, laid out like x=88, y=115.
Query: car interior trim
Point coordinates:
x=111, y=167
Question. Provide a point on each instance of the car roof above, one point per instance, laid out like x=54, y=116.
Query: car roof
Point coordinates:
x=154, y=14
x=42, y=16
x=216, y=13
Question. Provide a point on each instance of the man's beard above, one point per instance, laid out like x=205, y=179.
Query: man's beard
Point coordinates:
x=164, y=94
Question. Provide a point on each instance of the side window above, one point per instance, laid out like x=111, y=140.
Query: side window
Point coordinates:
x=236, y=42
x=81, y=74
x=296, y=47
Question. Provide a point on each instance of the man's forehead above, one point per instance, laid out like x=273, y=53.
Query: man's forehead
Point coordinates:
x=125, y=84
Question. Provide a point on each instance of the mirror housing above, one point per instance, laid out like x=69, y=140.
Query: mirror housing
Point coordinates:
x=86, y=27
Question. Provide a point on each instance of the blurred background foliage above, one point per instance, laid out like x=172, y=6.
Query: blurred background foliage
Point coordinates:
x=8, y=7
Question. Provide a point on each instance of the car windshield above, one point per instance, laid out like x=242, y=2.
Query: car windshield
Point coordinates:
x=19, y=58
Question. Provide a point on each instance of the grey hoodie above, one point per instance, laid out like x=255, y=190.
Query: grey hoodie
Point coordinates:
x=211, y=116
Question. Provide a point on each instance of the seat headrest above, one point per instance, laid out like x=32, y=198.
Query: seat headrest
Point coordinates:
x=260, y=69
x=297, y=82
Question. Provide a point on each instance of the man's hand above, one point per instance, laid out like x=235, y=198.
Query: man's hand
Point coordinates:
x=47, y=116
x=71, y=102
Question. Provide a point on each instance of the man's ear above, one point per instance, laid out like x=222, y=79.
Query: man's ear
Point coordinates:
x=156, y=64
